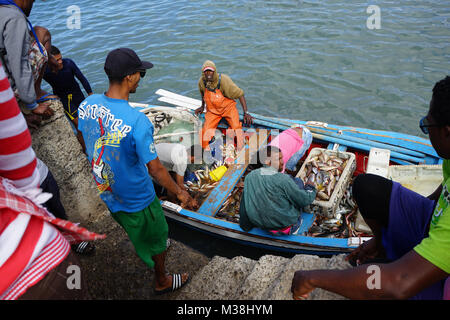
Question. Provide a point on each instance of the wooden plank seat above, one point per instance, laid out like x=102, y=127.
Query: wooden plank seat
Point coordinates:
x=219, y=194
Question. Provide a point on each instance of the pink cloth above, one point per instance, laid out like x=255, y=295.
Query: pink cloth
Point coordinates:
x=447, y=290
x=289, y=143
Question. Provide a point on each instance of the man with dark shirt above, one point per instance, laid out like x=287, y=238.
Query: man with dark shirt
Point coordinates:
x=66, y=87
x=64, y=84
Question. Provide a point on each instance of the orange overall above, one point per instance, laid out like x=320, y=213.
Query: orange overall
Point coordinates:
x=217, y=107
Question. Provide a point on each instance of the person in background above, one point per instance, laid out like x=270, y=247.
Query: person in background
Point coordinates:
x=35, y=246
x=293, y=143
x=40, y=63
x=176, y=158
x=48, y=184
x=411, y=232
x=272, y=200
x=15, y=48
x=218, y=93
x=64, y=85
x=119, y=144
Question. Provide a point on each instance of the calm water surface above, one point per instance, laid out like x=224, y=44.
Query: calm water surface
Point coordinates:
x=309, y=60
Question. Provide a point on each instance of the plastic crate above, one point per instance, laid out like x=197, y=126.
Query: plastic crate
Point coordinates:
x=328, y=207
x=423, y=179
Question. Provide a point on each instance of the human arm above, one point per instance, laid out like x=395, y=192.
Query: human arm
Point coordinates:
x=202, y=92
x=435, y=195
x=162, y=177
x=400, y=279
x=80, y=76
x=180, y=181
x=16, y=41
x=300, y=198
x=248, y=119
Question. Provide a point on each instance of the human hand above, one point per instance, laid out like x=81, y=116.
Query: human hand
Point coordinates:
x=199, y=110
x=367, y=250
x=33, y=120
x=248, y=119
x=186, y=200
x=44, y=110
x=301, y=287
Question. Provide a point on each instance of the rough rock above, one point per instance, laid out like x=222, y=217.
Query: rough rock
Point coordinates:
x=57, y=146
x=269, y=278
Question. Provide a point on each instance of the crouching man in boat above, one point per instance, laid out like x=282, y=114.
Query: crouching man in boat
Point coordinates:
x=272, y=200
x=219, y=93
x=176, y=158
x=119, y=144
x=411, y=232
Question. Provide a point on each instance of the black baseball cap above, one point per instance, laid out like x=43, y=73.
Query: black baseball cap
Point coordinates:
x=122, y=62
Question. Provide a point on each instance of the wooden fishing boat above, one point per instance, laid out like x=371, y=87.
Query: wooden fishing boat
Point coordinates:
x=410, y=158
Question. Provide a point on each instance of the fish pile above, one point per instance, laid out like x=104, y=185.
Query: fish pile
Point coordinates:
x=200, y=189
x=324, y=171
x=342, y=225
x=230, y=208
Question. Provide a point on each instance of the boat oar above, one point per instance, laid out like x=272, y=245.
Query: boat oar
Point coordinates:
x=167, y=135
x=405, y=143
x=347, y=143
x=368, y=142
x=359, y=141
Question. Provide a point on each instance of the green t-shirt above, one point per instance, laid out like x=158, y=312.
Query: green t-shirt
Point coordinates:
x=436, y=248
x=272, y=200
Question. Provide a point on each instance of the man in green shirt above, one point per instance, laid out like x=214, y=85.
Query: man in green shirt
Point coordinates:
x=271, y=200
x=410, y=231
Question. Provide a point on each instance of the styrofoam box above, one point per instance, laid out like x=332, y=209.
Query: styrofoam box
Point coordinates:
x=378, y=162
x=328, y=208
x=423, y=179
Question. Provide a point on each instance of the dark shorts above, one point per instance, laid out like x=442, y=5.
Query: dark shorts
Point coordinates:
x=409, y=217
x=71, y=109
x=54, y=204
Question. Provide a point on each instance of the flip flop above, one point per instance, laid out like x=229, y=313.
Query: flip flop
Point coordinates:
x=176, y=284
x=84, y=248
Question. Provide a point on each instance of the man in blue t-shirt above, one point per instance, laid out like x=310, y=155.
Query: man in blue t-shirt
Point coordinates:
x=119, y=144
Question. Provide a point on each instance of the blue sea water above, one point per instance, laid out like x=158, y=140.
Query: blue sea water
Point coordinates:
x=308, y=60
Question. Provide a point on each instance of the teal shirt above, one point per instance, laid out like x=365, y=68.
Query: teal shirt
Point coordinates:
x=271, y=200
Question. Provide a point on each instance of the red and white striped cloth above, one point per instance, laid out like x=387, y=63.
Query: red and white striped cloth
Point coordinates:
x=32, y=241
x=17, y=158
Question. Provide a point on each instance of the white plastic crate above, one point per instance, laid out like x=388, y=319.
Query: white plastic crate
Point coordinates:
x=328, y=208
x=423, y=179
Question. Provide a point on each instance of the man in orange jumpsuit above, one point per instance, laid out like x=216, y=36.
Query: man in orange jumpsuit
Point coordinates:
x=218, y=94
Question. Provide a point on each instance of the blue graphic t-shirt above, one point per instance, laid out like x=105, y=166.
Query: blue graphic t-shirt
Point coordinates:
x=119, y=144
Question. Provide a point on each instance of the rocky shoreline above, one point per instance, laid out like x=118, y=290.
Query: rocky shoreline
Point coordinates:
x=116, y=272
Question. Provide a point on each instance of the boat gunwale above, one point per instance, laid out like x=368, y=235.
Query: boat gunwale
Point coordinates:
x=202, y=219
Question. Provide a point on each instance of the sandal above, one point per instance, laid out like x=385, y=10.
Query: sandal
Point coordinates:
x=176, y=284
x=84, y=248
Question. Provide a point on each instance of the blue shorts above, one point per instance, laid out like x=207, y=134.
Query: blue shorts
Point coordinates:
x=409, y=217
